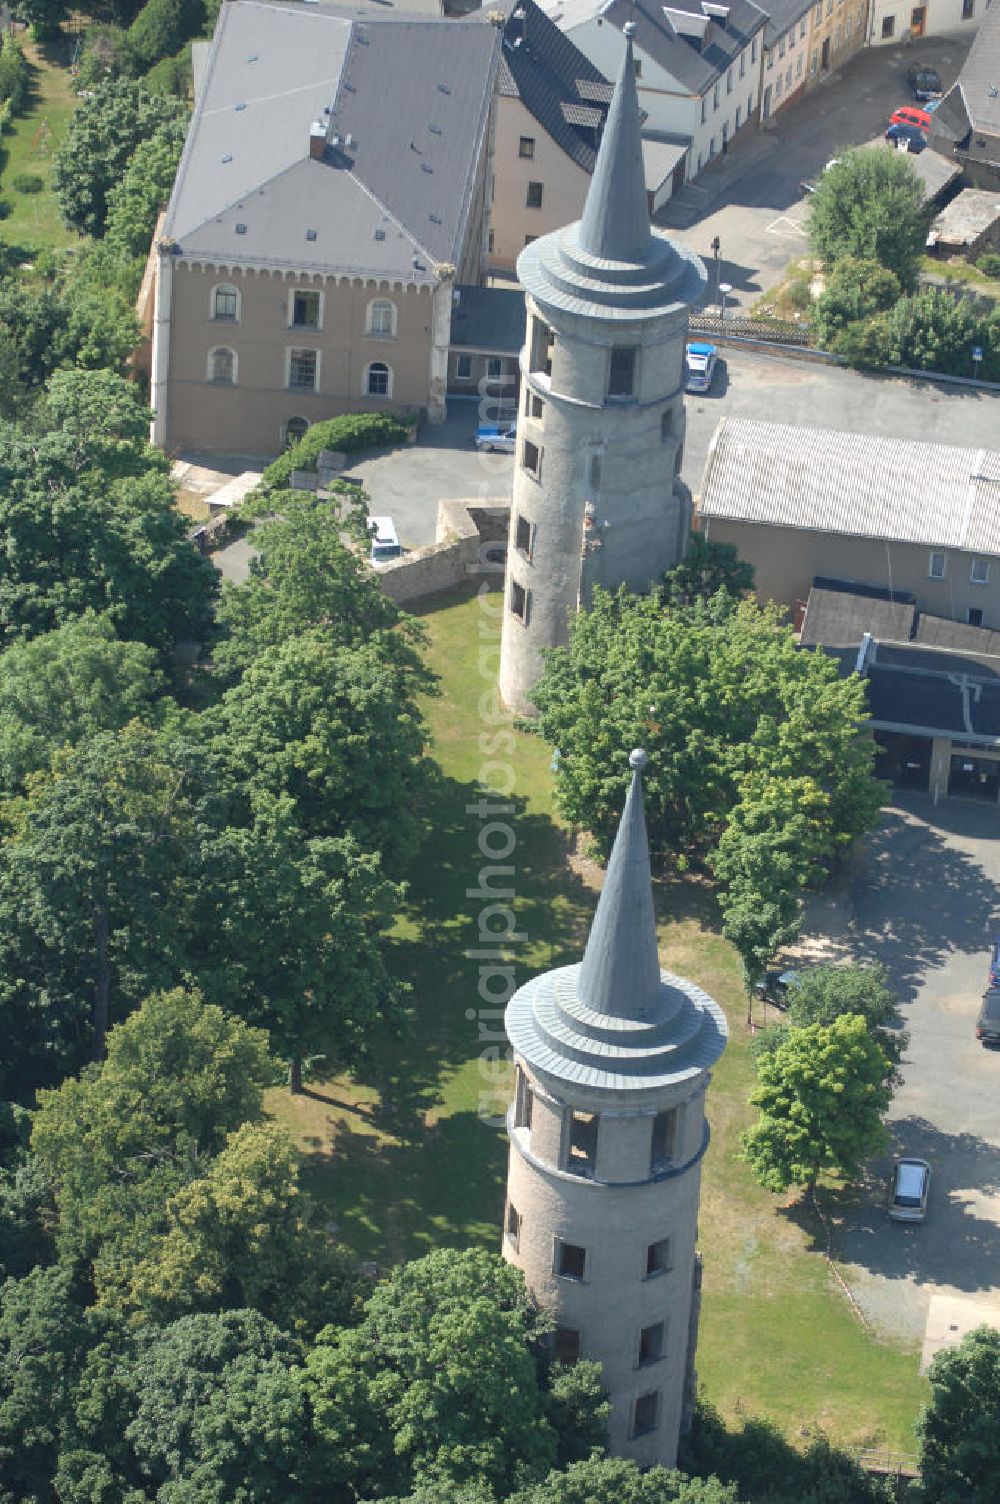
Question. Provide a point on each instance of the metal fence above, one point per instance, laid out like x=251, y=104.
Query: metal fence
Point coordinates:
x=773, y=331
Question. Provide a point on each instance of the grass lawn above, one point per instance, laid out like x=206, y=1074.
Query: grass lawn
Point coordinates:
x=29, y=147
x=401, y=1157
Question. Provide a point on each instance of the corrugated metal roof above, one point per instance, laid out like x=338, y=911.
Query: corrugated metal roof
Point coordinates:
x=406, y=171
x=820, y=480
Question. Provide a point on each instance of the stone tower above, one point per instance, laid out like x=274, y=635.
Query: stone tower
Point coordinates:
x=607, y=1133
x=597, y=499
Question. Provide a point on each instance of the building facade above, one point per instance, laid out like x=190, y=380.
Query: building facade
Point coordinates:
x=596, y=496
x=894, y=21
x=837, y=28
x=786, y=73
x=313, y=238
x=607, y=1134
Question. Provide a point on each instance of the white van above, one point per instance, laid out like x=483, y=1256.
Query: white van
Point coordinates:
x=385, y=540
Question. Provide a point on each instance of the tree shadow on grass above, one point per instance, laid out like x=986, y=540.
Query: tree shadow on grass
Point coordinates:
x=918, y=898
x=956, y=1246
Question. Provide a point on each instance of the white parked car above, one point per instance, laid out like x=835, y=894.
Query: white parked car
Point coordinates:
x=385, y=540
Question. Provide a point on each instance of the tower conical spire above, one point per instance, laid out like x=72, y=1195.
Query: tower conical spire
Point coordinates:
x=620, y=974
x=615, y=223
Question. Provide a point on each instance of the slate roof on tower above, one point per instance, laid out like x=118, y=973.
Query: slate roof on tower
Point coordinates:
x=405, y=105
x=616, y=1022
x=611, y=264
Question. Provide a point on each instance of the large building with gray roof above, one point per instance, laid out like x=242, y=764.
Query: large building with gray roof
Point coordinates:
x=607, y=1133
x=332, y=190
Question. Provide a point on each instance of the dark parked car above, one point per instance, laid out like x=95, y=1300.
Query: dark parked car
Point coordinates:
x=906, y=137
x=773, y=987
x=988, y=1022
x=994, y=980
x=924, y=82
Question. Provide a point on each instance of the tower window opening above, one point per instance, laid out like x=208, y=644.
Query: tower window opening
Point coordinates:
x=522, y=536
x=535, y=406
x=646, y=1415
x=566, y=1344
x=651, y=1343
x=664, y=1137
x=513, y=1224
x=657, y=1258
x=581, y=1157
x=666, y=425
x=531, y=459
x=621, y=375
x=524, y=1101
x=571, y=1260
x=540, y=352
x=595, y=472
x=519, y=601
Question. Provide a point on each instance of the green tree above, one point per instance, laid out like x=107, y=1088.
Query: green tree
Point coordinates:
x=706, y=568
x=98, y=145
x=305, y=921
x=44, y=1339
x=439, y=1383
x=45, y=16
x=855, y=290
x=243, y=1234
x=578, y=1410
x=826, y=993
x=870, y=205
x=15, y=79
x=208, y=1410
x=821, y=1096
x=613, y=1480
x=94, y=893
x=959, y=1429
x=179, y=1077
x=935, y=331
x=338, y=732
x=135, y=202
x=161, y=28
x=66, y=685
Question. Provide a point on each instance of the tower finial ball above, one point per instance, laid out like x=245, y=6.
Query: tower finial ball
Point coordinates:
x=629, y=29
x=637, y=759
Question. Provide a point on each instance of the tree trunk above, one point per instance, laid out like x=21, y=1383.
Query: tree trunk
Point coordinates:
x=102, y=985
x=295, y=1075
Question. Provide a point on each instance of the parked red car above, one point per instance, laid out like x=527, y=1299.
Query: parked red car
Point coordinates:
x=908, y=114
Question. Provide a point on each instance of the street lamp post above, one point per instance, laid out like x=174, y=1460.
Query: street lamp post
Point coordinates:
x=716, y=248
x=725, y=288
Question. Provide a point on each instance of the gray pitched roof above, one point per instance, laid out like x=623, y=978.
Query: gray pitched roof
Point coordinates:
x=973, y=103
x=616, y=1022
x=855, y=484
x=967, y=217
x=781, y=14
x=543, y=68
x=695, y=62
x=406, y=101
x=488, y=319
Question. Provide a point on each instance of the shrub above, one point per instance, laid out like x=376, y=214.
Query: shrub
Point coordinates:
x=172, y=75
x=161, y=28
x=14, y=76
x=27, y=182
x=856, y=288
x=348, y=433
x=989, y=263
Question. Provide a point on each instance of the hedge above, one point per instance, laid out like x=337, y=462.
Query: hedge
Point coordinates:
x=14, y=76
x=348, y=433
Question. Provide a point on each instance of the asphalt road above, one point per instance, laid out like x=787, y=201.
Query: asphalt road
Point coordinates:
x=923, y=899
x=751, y=198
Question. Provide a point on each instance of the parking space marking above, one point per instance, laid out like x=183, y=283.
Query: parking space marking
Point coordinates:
x=785, y=226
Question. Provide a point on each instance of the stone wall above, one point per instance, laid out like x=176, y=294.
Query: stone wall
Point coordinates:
x=464, y=534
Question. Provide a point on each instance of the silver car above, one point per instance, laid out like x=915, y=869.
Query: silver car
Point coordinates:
x=908, y=1190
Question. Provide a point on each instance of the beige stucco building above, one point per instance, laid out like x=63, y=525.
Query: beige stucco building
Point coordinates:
x=607, y=1135
x=837, y=28
x=314, y=238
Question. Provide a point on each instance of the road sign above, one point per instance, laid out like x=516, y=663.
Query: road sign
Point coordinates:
x=977, y=354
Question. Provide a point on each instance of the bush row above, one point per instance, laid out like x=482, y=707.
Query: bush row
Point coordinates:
x=348, y=433
x=14, y=76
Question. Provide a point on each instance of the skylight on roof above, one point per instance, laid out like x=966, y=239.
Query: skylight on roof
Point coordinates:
x=426, y=167
x=241, y=229
x=310, y=234
x=435, y=130
x=240, y=106
x=379, y=234
x=228, y=157
x=444, y=88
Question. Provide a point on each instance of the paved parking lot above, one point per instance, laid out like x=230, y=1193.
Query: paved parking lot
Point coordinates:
x=923, y=899
x=751, y=198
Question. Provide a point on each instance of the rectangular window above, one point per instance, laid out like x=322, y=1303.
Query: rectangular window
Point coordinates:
x=494, y=368
x=814, y=62
x=781, y=48
x=798, y=67
x=818, y=17
x=704, y=111
x=737, y=121
x=753, y=50
x=743, y=64
x=968, y=9
x=531, y=458
x=542, y=342
x=935, y=568
x=571, y=1260
x=658, y=1258
x=788, y=78
x=513, y=1224
x=729, y=81
x=637, y=67
x=305, y=310
x=302, y=371
x=522, y=536
x=975, y=616
x=888, y=27
x=535, y=406
x=534, y=197
x=526, y=148
x=621, y=374
x=802, y=29
x=715, y=97
x=530, y=239
x=566, y=1344
x=749, y=105
x=646, y=1415
x=524, y=1100
x=595, y=473
x=651, y=1343
x=490, y=243
x=463, y=368
x=581, y=1155
x=980, y=571
x=518, y=601
x=225, y=303
x=848, y=27
x=664, y=1134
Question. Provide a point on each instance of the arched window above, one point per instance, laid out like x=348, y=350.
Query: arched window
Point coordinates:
x=382, y=318
x=378, y=379
x=295, y=429
x=222, y=366
x=225, y=304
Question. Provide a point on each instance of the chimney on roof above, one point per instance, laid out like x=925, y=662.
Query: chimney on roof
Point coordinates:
x=317, y=141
